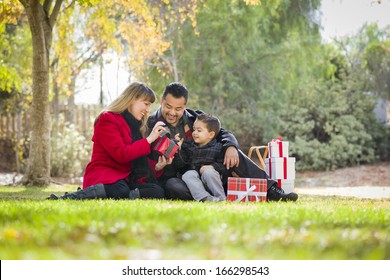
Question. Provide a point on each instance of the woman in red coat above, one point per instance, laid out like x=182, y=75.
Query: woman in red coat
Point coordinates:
x=119, y=166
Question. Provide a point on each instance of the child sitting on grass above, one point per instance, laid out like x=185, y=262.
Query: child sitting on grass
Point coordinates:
x=205, y=158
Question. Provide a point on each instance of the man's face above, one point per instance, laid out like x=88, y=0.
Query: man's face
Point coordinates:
x=172, y=109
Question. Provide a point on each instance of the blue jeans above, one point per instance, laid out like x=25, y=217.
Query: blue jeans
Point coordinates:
x=121, y=190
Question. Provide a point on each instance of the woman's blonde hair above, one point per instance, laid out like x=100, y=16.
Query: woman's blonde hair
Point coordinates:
x=133, y=92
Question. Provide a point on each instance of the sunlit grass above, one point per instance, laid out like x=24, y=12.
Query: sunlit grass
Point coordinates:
x=313, y=228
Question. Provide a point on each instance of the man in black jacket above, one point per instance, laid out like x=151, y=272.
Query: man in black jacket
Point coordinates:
x=180, y=120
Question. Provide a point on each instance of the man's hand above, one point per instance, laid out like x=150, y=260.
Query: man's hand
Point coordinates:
x=231, y=158
x=162, y=162
x=179, y=141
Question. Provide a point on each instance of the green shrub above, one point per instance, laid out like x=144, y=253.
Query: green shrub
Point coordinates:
x=70, y=151
x=330, y=127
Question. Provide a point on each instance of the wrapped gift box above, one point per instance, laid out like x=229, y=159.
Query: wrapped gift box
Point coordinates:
x=286, y=185
x=280, y=168
x=165, y=146
x=277, y=148
x=246, y=189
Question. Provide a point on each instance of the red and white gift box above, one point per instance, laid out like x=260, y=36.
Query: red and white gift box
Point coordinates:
x=277, y=148
x=286, y=185
x=165, y=146
x=246, y=189
x=280, y=168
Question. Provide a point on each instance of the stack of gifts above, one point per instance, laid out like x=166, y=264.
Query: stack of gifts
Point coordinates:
x=279, y=166
x=247, y=189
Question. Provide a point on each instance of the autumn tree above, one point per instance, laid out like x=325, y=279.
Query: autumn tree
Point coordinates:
x=15, y=67
x=172, y=15
x=133, y=31
x=14, y=56
x=73, y=52
x=41, y=18
x=132, y=23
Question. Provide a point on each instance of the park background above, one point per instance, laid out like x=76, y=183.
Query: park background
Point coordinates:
x=266, y=68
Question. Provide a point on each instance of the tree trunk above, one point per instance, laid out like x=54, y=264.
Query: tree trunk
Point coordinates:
x=71, y=101
x=101, y=81
x=38, y=168
x=174, y=64
x=55, y=102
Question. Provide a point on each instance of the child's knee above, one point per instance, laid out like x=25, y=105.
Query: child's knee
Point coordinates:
x=209, y=172
x=190, y=175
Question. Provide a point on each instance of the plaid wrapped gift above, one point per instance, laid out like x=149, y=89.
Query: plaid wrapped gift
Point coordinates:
x=246, y=189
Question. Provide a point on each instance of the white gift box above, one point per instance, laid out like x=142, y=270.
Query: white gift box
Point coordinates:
x=286, y=185
x=280, y=168
x=278, y=149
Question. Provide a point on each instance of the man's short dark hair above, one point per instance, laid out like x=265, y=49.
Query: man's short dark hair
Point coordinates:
x=177, y=89
x=212, y=123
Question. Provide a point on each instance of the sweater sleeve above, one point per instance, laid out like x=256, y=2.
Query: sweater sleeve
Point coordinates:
x=218, y=161
x=114, y=138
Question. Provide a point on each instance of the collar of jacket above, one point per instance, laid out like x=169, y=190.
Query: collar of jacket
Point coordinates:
x=209, y=144
x=185, y=119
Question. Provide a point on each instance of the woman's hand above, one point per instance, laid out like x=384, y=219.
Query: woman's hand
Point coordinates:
x=162, y=162
x=156, y=131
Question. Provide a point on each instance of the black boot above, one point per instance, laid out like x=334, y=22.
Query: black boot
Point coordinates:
x=92, y=192
x=134, y=194
x=275, y=193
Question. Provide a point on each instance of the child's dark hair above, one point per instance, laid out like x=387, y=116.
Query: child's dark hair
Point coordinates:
x=212, y=123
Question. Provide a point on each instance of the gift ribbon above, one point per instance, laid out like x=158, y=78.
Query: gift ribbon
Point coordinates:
x=248, y=191
x=171, y=149
x=236, y=195
x=280, y=144
x=284, y=168
x=159, y=142
x=278, y=141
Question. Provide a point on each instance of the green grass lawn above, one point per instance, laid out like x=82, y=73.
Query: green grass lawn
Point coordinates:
x=313, y=228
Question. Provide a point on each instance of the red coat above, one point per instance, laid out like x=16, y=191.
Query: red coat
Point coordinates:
x=113, y=150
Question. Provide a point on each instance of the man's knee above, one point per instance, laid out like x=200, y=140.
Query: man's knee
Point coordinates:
x=249, y=169
x=176, y=188
x=174, y=183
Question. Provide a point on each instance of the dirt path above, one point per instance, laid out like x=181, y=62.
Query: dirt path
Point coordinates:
x=359, y=192
x=365, y=181
x=365, y=175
